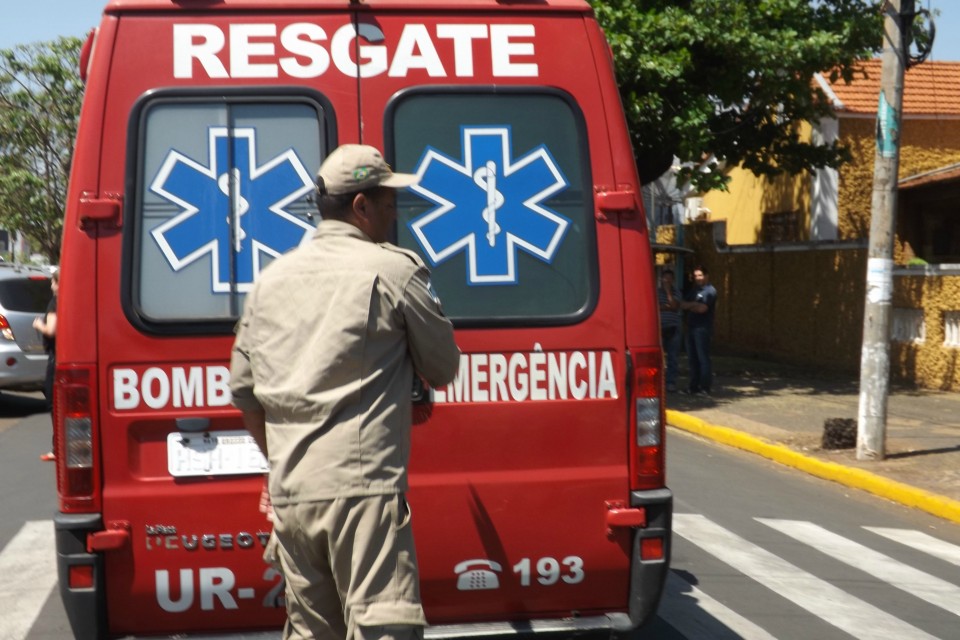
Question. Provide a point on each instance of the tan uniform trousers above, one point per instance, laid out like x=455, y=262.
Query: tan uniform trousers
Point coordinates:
x=350, y=568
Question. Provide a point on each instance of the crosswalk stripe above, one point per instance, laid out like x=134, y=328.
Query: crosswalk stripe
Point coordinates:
x=921, y=542
x=923, y=585
x=29, y=567
x=686, y=608
x=698, y=616
x=858, y=618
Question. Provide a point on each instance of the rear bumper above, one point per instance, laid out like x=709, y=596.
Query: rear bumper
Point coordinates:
x=588, y=627
x=647, y=578
x=598, y=626
x=591, y=626
x=86, y=608
x=20, y=371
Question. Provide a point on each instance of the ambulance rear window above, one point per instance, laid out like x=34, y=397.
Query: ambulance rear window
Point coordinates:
x=503, y=214
x=225, y=184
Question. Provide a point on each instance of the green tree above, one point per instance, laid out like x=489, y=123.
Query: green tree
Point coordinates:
x=40, y=97
x=732, y=79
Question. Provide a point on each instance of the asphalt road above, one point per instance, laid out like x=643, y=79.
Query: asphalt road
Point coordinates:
x=764, y=551
x=760, y=551
x=29, y=603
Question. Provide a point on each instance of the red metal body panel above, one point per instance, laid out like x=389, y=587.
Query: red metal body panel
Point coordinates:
x=557, y=457
x=526, y=487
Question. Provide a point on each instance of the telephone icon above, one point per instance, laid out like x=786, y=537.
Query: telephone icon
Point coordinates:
x=477, y=575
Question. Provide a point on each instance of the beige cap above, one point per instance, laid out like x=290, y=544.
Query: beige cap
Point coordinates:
x=357, y=167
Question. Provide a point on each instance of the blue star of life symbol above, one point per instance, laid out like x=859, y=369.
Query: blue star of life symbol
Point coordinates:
x=231, y=213
x=489, y=205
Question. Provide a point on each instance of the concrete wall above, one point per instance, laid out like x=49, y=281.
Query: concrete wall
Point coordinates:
x=929, y=363
x=803, y=304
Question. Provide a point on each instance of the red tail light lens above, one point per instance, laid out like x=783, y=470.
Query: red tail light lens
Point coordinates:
x=6, y=331
x=74, y=411
x=651, y=549
x=80, y=576
x=646, y=439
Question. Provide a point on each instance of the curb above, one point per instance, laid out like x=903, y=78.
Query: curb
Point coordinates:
x=904, y=494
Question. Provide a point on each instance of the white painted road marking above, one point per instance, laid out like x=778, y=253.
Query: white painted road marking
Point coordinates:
x=858, y=618
x=29, y=566
x=915, y=582
x=921, y=542
x=699, y=617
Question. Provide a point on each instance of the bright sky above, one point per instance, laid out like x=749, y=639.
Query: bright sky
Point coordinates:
x=28, y=21
x=43, y=20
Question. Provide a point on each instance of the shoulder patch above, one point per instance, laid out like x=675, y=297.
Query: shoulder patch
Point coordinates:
x=412, y=255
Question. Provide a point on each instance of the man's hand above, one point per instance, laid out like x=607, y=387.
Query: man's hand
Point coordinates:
x=266, y=505
x=255, y=421
x=696, y=307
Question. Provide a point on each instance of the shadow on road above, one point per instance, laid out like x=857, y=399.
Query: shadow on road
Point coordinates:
x=922, y=452
x=17, y=405
x=738, y=379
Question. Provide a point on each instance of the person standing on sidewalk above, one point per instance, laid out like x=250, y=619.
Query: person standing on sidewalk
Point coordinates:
x=46, y=326
x=322, y=369
x=701, y=306
x=670, y=329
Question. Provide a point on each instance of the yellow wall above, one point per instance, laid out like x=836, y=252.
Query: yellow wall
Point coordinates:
x=750, y=197
x=925, y=145
x=856, y=179
x=929, y=364
x=806, y=307
x=803, y=306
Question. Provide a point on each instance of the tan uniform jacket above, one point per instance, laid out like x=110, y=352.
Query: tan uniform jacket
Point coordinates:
x=327, y=345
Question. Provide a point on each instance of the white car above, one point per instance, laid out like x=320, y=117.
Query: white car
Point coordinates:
x=24, y=294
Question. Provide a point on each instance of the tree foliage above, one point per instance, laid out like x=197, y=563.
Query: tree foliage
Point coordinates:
x=732, y=79
x=40, y=97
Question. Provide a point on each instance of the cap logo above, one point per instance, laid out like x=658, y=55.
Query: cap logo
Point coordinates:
x=361, y=173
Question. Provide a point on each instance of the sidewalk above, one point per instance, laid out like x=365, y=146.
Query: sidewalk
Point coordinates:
x=778, y=411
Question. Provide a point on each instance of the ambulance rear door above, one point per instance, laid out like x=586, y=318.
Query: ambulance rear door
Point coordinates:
x=222, y=127
x=517, y=465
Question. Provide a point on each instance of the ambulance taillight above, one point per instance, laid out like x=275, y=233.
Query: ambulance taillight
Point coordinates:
x=647, y=421
x=74, y=418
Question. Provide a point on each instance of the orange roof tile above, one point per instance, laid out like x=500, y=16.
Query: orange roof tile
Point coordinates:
x=949, y=173
x=929, y=88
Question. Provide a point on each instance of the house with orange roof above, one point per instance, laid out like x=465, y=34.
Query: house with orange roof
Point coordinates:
x=831, y=205
x=929, y=152
x=788, y=255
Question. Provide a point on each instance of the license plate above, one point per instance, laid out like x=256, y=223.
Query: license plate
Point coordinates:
x=217, y=453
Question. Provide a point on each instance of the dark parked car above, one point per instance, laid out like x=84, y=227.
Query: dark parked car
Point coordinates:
x=24, y=294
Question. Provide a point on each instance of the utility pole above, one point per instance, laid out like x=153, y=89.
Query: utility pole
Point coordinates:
x=875, y=353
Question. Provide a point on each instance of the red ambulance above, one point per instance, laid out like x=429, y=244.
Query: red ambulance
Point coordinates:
x=537, y=477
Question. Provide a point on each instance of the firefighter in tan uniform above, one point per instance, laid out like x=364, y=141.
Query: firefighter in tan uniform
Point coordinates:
x=322, y=368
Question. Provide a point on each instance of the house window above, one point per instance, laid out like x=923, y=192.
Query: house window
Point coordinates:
x=907, y=326
x=941, y=238
x=951, y=329
x=783, y=226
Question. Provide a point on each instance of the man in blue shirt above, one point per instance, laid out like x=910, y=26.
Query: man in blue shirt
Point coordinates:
x=701, y=307
x=670, y=329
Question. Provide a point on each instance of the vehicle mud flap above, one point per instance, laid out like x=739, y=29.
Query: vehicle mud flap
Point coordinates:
x=647, y=578
x=86, y=607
